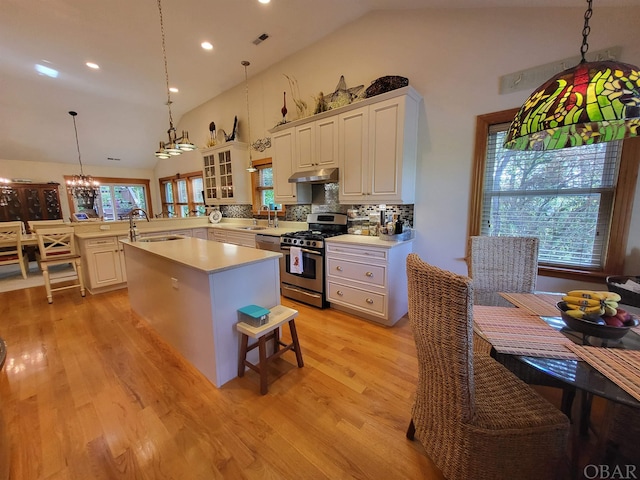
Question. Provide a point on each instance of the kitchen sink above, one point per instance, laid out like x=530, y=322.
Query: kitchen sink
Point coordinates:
x=252, y=227
x=163, y=238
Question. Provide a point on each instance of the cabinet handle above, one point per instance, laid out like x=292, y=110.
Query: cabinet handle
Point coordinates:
x=369, y=301
x=339, y=268
x=369, y=274
x=339, y=292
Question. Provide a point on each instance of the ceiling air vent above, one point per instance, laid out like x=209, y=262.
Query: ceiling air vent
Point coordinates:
x=260, y=39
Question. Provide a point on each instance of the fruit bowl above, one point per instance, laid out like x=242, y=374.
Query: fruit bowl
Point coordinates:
x=590, y=327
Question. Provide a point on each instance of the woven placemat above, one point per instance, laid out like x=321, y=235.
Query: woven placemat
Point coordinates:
x=515, y=331
x=540, y=304
x=620, y=366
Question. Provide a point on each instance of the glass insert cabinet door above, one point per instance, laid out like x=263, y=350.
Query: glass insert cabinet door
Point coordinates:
x=226, y=175
x=226, y=180
x=211, y=180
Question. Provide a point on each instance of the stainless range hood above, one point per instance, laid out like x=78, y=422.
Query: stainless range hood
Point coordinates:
x=321, y=175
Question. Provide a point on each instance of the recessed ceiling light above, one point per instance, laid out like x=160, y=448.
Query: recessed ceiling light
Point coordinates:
x=95, y=66
x=206, y=46
x=173, y=90
x=264, y=1
x=48, y=71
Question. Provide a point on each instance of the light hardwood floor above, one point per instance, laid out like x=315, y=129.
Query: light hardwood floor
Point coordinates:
x=90, y=392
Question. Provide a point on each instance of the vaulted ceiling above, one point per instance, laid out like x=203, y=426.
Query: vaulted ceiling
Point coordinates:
x=121, y=107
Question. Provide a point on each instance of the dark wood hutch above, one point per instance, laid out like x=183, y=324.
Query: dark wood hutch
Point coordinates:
x=32, y=201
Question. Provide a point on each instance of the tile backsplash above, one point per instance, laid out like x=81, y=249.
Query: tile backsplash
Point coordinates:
x=324, y=199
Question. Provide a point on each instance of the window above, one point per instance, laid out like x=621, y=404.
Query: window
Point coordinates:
x=116, y=199
x=262, y=186
x=182, y=195
x=576, y=200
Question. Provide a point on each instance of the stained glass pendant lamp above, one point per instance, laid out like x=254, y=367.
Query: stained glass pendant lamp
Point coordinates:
x=593, y=102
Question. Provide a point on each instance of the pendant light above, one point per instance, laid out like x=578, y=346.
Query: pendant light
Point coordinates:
x=245, y=64
x=176, y=145
x=593, y=102
x=82, y=187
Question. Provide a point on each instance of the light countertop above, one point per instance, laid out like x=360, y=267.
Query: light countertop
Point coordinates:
x=149, y=228
x=365, y=240
x=203, y=255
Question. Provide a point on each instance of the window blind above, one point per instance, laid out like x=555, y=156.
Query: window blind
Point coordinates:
x=564, y=197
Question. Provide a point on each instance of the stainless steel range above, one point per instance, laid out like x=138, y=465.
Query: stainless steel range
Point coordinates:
x=302, y=264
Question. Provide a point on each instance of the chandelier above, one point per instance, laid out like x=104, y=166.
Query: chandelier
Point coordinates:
x=176, y=145
x=82, y=187
x=593, y=102
x=5, y=191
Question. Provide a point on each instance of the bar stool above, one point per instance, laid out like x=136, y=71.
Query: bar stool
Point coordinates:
x=278, y=315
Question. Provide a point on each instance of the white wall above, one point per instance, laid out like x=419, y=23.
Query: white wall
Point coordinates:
x=454, y=58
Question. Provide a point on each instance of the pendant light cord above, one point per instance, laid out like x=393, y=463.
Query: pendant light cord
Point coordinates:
x=75, y=129
x=166, y=68
x=585, y=31
x=246, y=89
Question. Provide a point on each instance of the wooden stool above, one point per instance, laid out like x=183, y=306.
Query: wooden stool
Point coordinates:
x=277, y=316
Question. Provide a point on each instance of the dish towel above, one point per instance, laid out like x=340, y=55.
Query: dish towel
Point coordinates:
x=295, y=260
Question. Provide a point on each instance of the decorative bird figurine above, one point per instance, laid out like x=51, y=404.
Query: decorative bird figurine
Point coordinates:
x=284, y=108
x=212, y=134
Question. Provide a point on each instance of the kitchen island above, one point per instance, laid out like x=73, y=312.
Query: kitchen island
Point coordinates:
x=189, y=291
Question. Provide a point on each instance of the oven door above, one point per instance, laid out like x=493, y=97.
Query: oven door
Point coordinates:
x=312, y=276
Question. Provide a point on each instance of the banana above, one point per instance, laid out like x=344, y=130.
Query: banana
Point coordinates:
x=611, y=303
x=575, y=313
x=593, y=310
x=612, y=296
x=582, y=301
x=609, y=310
x=587, y=294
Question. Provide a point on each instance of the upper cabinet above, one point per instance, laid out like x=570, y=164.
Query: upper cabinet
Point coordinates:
x=378, y=151
x=225, y=175
x=374, y=144
x=317, y=144
x=284, y=165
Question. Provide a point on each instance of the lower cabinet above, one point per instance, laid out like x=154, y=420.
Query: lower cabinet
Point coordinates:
x=103, y=264
x=246, y=239
x=368, y=281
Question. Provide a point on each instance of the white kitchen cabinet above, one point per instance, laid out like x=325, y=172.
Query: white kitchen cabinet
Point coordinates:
x=368, y=280
x=103, y=262
x=200, y=233
x=246, y=239
x=225, y=176
x=217, y=235
x=378, y=150
x=284, y=165
x=316, y=144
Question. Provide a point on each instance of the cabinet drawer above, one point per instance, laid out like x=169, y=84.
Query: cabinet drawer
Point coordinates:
x=354, y=297
x=357, y=251
x=102, y=242
x=360, y=272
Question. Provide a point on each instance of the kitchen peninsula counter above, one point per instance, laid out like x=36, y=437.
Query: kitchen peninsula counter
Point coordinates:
x=189, y=291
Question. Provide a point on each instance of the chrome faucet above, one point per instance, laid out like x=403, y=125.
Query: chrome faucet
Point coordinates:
x=133, y=234
x=265, y=207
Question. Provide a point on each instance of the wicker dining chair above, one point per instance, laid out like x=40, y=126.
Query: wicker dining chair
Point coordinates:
x=474, y=418
x=509, y=264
